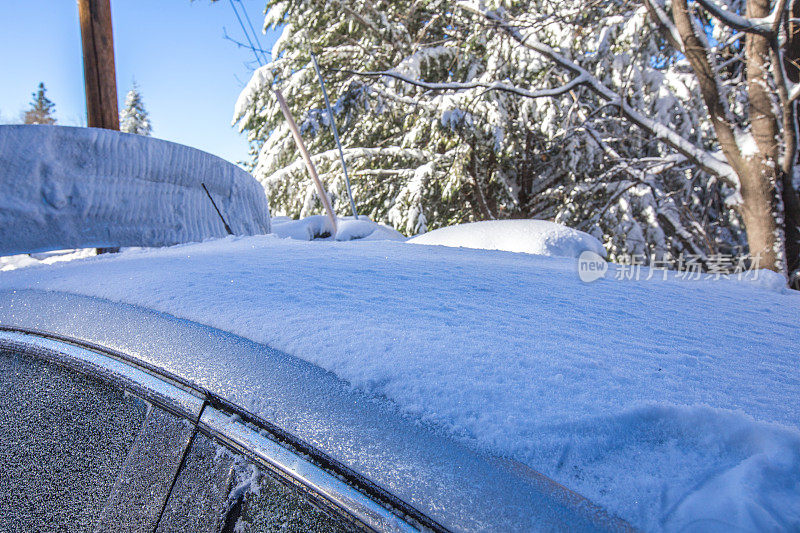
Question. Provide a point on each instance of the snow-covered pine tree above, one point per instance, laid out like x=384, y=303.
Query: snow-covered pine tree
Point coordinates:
x=134, y=118
x=741, y=57
x=42, y=109
x=446, y=119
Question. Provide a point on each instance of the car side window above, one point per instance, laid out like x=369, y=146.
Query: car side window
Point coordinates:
x=261, y=503
x=199, y=497
x=219, y=490
x=80, y=450
x=63, y=439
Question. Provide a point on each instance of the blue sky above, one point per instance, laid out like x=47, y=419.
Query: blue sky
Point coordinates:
x=189, y=75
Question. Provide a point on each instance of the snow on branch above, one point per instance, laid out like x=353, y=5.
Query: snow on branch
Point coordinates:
x=765, y=26
x=703, y=158
x=350, y=153
x=388, y=93
x=494, y=86
x=656, y=10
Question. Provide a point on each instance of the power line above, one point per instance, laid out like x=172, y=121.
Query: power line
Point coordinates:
x=247, y=35
x=255, y=33
x=238, y=43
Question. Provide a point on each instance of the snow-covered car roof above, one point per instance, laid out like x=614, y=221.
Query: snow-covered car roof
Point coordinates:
x=459, y=489
x=665, y=402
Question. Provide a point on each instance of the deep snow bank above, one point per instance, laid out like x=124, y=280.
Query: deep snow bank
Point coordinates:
x=539, y=237
x=674, y=404
x=68, y=187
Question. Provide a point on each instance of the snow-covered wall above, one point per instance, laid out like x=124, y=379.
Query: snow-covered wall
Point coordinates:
x=66, y=187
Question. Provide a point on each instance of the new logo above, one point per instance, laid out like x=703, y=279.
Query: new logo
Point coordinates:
x=591, y=266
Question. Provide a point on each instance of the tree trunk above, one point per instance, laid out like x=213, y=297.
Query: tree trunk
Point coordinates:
x=761, y=202
x=791, y=213
x=762, y=208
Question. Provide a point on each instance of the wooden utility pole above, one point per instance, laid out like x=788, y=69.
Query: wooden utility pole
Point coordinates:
x=98, y=64
x=298, y=139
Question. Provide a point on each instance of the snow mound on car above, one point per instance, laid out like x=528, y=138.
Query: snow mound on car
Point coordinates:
x=538, y=237
x=319, y=227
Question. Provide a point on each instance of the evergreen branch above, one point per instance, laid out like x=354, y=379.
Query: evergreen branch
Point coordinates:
x=703, y=158
x=349, y=153
x=461, y=86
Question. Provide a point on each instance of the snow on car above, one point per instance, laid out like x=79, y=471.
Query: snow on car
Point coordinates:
x=670, y=404
x=539, y=237
x=66, y=187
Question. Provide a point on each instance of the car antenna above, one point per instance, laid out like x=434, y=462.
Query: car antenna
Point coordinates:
x=227, y=227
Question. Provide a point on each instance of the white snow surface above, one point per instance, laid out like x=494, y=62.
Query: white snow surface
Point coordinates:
x=674, y=404
x=315, y=227
x=539, y=237
x=65, y=187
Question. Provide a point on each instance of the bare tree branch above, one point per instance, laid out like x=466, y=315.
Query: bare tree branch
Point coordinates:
x=788, y=109
x=697, y=53
x=664, y=24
